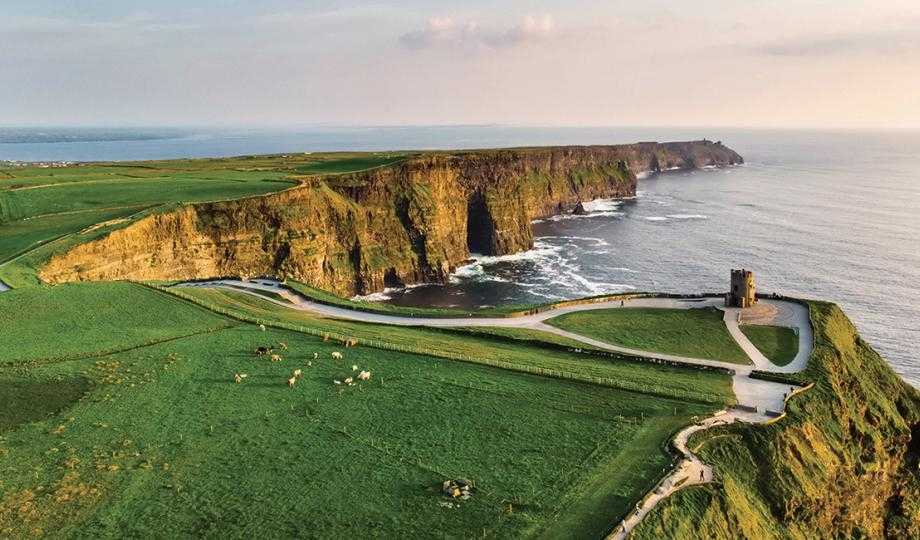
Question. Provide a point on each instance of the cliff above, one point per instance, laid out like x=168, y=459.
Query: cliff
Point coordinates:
x=843, y=463
x=359, y=232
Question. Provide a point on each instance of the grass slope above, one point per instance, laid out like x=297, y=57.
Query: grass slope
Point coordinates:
x=650, y=378
x=158, y=441
x=778, y=343
x=698, y=333
x=841, y=464
x=79, y=319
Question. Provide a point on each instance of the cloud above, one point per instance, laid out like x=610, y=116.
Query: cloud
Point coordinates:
x=893, y=41
x=445, y=32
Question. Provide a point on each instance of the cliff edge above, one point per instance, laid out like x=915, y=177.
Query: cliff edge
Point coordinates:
x=357, y=233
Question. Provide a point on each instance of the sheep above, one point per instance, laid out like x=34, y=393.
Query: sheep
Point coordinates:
x=349, y=381
x=291, y=382
x=354, y=367
x=276, y=358
x=262, y=351
x=364, y=375
x=336, y=381
x=237, y=378
x=316, y=356
x=283, y=345
x=297, y=373
x=309, y=364
x=337, y=355
x=262, y=327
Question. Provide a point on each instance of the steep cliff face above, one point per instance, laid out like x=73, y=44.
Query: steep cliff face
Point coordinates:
x=360, y=232
x=843, y=463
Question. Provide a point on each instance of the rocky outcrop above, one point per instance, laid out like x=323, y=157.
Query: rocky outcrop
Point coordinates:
x=360, y=232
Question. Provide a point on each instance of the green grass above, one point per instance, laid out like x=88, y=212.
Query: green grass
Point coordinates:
x=778, y=343
x=79, y=319
x=157, y=440
x=828, y=469
x=345, y=163
x=698, y=333
x=647, y=377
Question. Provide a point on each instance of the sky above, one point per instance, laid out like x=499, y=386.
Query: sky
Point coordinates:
x=777, y=63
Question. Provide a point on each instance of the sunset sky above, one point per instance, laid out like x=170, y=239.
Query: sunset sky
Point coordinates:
x=783, y=63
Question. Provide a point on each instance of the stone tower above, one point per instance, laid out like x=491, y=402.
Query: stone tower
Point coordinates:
x=742, y=293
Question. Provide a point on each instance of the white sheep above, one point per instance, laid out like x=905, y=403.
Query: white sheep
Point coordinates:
x=309, y=364
x=364, y=376
x=336, y=381
x=291, y=382
x=283, y=345
x=237, y=378
x=337, y=355
x=316, y=356
x=276, y=358
x=297, y=373
x=349, y=381
x=262, y=327
x=354, y=367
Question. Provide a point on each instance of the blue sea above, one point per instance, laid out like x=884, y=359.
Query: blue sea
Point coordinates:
x=833, y=215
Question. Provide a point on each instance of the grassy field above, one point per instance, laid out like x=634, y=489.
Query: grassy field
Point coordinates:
x=120, y=418
x=651, y=378
x=698, y=333
x=345, y=163
x=778, y=343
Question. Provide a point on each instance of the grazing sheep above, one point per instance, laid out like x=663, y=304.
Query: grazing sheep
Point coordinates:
x=276, y=358
x=237, y=378
x=354, y=367
x=316, y=356
x=262, y=351
x=283, y=345
x=291, y=382
x=364, y=376
x=262, y=327
x=349, y=381
x=337, y=355
x=297, y=373
x=309, y=364
x=336, y=381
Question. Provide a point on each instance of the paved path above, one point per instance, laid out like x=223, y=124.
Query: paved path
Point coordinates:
x=761, y=400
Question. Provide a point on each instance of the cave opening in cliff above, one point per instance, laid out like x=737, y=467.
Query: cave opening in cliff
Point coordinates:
x=478, y=226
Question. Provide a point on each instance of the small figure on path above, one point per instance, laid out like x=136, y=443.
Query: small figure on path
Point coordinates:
x=701, y=475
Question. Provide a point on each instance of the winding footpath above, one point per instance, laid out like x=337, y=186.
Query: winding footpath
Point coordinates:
x=758, y=400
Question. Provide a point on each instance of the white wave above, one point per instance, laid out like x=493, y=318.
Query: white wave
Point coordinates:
x=563, y=217
x=597, y=241
x=656, y=218
x=376, y=297
x=687, y=216
x=624, y=269
x=602, y=205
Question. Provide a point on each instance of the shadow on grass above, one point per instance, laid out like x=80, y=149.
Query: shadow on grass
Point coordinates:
x=22, y=402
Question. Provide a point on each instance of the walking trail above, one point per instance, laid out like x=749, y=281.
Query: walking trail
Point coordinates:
x=758, y=400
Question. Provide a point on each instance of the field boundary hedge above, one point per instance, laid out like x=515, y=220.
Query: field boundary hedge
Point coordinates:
x=699, y=397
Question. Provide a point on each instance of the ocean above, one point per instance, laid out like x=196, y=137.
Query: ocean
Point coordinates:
x=832, y=215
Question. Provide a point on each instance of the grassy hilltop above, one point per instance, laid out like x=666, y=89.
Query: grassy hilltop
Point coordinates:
x=843, y=463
